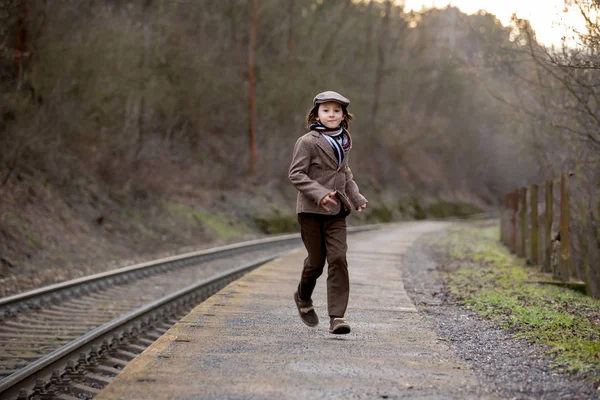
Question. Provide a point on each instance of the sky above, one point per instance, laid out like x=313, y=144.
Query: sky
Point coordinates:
x=548, y=20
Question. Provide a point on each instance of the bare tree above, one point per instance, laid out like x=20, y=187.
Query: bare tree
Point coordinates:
x=379, y=70
x=291, y=45
x=252, y=86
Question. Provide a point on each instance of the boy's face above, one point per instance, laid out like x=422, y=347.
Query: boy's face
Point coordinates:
x=331, y=114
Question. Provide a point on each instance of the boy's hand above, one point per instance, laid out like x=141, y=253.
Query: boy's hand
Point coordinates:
x=361, y=207
x=328, y=199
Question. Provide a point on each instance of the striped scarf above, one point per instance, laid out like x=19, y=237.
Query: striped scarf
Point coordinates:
x=338, y=138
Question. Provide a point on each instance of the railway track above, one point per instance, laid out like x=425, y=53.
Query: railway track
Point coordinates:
x=68, y=340
x=40, y=326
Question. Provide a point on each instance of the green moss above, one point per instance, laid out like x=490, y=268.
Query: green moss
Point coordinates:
x=379, y=214
x=416, y=209
x=419, y=208
x=500, y=287
x=31, y=238
x=217, y=224
x=444, y=209
x=18, y=227
x=275, y=224
x=222, y=225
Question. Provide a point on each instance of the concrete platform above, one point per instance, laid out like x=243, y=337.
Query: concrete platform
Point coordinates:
x=247, y=341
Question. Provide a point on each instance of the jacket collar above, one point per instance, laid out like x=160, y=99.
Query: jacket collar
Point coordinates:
x=326, y=147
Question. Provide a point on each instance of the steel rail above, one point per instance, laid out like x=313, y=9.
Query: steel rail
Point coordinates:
x=58, y=359
x=37, y=298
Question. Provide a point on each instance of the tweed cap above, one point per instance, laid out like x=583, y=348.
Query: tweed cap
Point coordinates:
x=330, y=96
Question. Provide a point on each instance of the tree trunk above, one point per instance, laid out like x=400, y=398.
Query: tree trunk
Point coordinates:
x=232, y=34
x=286, y=116
x=21, y=41
x=144, y=76
x=368, y=35
x=291, y=46
x=380, y=65
x=252, y=83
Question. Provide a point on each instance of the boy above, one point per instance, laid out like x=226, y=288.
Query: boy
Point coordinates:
x=326, y=195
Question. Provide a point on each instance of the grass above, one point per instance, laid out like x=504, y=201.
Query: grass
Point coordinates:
x=443, y=209
x=218, y=224
x=415, y=207
x=17, y=224
x=274, y=224
x=499, y=286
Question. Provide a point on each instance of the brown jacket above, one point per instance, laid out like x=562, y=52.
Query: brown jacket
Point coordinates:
x=315, y=173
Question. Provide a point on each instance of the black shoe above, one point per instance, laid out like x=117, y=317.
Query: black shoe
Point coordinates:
x=306, y=311
x=339, y=326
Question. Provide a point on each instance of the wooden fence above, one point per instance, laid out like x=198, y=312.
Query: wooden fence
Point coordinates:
x=544, y=238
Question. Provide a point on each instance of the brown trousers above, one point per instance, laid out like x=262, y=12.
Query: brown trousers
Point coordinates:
x=324, y=237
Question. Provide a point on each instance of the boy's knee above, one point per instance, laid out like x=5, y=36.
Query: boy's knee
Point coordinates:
x=315, y=267
x=312, y=273
x=337, y=260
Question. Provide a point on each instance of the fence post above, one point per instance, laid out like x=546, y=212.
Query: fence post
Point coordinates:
x=504, y=222
x=502, y=212
x=533, y=202
x=522, y=213
x=546, y=266
x=565, y=237
x=514, y=197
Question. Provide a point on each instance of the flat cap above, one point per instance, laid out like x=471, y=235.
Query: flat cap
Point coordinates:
x=330, y=96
